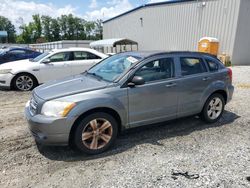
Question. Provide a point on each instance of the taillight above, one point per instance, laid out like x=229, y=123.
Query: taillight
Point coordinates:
x=230, y=74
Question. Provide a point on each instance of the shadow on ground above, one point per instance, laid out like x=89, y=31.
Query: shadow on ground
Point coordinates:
x=147, y=134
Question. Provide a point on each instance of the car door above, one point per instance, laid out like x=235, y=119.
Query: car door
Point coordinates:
x=157, y=99
x=56, y=66
x=195, y=78
x=83, y=61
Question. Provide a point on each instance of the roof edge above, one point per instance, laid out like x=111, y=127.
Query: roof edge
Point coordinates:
x=147, y=5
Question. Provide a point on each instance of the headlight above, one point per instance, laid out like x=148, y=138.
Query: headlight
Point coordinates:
x=57, y=108
x=5, y=71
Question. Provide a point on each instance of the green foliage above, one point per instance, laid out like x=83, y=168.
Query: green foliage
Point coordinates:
x=65, y=27
x=228, y=63
x=46, y=22
x=6, y=25
x=36, y=27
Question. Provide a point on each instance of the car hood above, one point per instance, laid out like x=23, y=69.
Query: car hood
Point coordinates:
x=16, y=64
x=69, y=86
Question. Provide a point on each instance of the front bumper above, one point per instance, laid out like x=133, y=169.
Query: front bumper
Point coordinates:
x=49, y=130
x=5, y=80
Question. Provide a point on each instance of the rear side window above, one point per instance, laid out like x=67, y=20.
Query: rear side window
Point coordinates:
x=192, y=65
x=29, y=52
x=212, y=65
x=157, y=70
x=93, y=56
x=85, y=56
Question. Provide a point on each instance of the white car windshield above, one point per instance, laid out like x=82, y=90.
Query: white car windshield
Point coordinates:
x=114, y=66
x=38, y=58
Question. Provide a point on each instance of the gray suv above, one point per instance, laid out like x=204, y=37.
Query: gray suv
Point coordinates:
x=124, y=91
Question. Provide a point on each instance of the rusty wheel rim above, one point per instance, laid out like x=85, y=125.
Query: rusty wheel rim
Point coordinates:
x=97, y=133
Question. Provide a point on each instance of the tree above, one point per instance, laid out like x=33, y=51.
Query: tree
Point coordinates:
x=37, y=27
x=55, y=30
x=98, y=29
x=89, y=29
x=6, y=25
x=46, y=21
x=27, y=34
x=65, y=27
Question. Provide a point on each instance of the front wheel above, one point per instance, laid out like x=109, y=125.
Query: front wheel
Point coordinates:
x=24, y=82
x=213, y=108
x=95, y=133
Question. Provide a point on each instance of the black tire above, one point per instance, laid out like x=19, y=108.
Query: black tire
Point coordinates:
x=30, y=86
x=84, y=124
x=206, y=109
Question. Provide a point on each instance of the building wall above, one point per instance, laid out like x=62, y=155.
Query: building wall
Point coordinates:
x=241, y=53
x=178, y=26
x=11, y=45
x=42, y=47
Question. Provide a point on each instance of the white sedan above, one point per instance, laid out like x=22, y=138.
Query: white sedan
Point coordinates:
x=26, y=74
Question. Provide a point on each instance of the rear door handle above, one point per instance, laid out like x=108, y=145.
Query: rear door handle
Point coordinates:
x=171, y=85
x=205, y=78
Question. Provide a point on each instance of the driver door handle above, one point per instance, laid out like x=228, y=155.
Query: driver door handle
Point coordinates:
x=171, y=85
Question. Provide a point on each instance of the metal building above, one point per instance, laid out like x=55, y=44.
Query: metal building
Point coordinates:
x=179, y=24
x=47, y=46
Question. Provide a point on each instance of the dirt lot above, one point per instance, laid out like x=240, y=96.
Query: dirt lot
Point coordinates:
x=145, y=157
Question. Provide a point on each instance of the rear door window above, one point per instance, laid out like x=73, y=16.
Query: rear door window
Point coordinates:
x=191, y=66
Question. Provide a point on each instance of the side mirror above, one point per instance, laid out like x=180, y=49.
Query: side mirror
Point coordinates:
x=137, y=80
x=46, y=61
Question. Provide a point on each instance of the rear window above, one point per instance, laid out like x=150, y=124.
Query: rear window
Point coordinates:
x=192, y=65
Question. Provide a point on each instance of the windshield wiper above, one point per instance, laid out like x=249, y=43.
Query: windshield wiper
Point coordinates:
x=94, y=74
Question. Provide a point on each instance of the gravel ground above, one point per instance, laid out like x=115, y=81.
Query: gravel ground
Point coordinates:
x=146, y=157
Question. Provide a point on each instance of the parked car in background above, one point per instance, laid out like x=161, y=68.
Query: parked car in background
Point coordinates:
x=128, y=90
x=26, y=74
x=16, y=53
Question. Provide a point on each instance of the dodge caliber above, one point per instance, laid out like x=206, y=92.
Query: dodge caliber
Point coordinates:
x=127, y=90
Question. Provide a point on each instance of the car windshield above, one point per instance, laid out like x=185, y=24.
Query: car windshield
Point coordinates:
x=114, y=66
x=38, y=58
x=2, y=51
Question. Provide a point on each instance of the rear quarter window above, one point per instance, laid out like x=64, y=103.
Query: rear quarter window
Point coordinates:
x=212, y=64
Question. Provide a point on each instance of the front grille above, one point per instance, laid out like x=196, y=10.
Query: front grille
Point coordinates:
x=33, y=106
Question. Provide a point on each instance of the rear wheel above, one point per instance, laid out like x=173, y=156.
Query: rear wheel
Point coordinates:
x=213, y=108
x=24, y=82
x=95, y=133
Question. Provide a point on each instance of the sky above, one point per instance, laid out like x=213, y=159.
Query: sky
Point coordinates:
x=21, y=11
